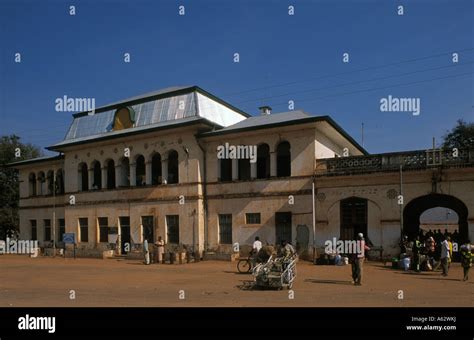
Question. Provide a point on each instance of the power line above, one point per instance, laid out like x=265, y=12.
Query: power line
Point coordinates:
x=380, y=88
x=357, y=82
x=350, y=72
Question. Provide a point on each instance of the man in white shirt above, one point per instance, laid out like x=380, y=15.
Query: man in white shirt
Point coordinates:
x=257, y=245
x=445, y=256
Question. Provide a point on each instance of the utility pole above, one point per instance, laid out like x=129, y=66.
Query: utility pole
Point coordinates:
x=314, y=221
x=54, y=213
x=402, y=198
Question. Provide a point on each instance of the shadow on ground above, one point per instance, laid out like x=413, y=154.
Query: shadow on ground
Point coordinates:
x=337, y=282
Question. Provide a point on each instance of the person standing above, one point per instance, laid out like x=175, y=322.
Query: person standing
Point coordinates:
x=445, y=255
x=416, y=254
x=358, y=260
x=160, y=245
x=257, y=245
x=146, y=252
x=466, y=259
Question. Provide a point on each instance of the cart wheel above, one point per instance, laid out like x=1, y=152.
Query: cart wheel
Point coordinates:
x=243, y=266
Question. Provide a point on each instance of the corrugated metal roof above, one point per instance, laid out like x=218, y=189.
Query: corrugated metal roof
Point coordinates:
x=133, y=130
x=146, y=113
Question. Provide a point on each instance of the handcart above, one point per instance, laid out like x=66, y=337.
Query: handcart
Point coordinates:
x=277, y=272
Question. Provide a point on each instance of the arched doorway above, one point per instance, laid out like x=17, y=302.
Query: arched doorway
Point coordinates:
x=416, y=207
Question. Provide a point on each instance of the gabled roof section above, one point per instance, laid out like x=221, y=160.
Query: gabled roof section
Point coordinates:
x=262, y=121
x=170, y=106
x=281, y=120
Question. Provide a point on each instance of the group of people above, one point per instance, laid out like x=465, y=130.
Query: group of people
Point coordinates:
x=261, y=253
x=159, y=251
x=435, y=249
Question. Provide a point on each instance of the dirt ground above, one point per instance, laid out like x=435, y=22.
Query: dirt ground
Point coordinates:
x=45, y=281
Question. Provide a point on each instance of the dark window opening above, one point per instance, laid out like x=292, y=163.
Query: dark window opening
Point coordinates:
x=172, y=224
x=283, y=227
x=62, y=229
x=140, y=171
x=125, y=172
x=156, y=169
x=83, y=177
x=34, y=232
x=283, y=160
x=97, y=184
x=47, y=230
x=84, y=229
x=148, y=226
x=225, y=228
x=173, y=167
x=32, y=182
x=263, y=161
x=59, y=182
x=50, y=181
x=226, y=170
x=244, y=169
x=110, y=174
x=252, y=218
x=103, y=229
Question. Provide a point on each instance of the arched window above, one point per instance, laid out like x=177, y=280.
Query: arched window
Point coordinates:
x=110, y=164
x=32, y=184
x=140, y=171
x=83, y=177
x=50, y=182
x=59, y=182
x=125, y=172
x=156, y=169
x=225, y=165
x=244, y=169
x=97, y=183
x=283, y=160
x=173, y=167
x=41, y=183
x=263, y=161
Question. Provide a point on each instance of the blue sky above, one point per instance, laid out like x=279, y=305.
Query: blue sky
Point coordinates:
x=282, y=58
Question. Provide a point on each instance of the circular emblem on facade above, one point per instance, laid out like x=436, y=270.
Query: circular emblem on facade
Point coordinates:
x=321, y=196
x=392, y=193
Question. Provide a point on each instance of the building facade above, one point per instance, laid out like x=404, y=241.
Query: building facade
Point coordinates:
x=149, y=166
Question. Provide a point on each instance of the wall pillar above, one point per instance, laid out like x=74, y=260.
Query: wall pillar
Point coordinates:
x=148, y=172
x=235, y=169
x=164, y=171
x=253, y=170
x=91, y=178
x=273, y=164
x=133, y=174
x=118, y=176
x=104, y=177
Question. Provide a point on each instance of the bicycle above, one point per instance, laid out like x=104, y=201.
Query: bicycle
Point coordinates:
x=245, y=265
